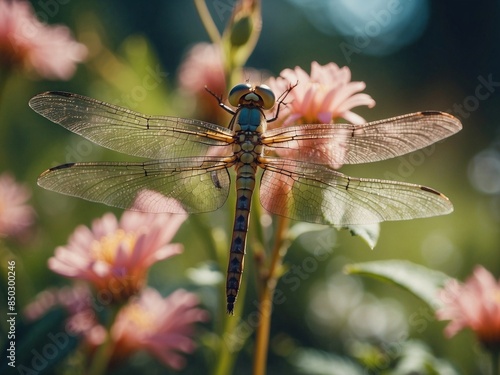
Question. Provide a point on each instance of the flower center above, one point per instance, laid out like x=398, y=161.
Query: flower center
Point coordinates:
x=106, y=247
x=140, y=318
x=496, y=296
x=4, y=201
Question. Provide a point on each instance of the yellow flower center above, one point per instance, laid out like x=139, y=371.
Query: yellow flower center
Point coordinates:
x=138, y=316
x=2, y=206
x=496, y=296
x=106, y=247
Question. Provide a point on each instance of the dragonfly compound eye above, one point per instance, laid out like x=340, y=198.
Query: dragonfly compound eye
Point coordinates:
x=237, y=92
x=267, y=96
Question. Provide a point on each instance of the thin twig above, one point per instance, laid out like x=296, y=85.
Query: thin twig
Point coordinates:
x=207, y=21
x=266, y=299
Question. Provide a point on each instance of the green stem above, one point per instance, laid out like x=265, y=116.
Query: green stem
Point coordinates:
x=207, y=21
x=228, y=348
x=258, y=242
x=210, y=244
x=227, y=325
x=4, y=82
x=266, y=299
x=4, y=76
x=495, y=361
x=101, y=358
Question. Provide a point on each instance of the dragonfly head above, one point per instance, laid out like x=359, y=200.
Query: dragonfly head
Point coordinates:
x=244, y=93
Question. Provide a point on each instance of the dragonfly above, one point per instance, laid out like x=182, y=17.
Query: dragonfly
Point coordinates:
x=188, y=162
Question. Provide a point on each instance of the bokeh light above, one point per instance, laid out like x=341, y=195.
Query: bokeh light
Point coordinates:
x=484, y=171
x=377, y=27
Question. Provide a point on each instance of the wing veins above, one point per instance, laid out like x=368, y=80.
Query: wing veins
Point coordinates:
x=338, y=144
x=320, y=194
x=129, y=132
x=187, y=180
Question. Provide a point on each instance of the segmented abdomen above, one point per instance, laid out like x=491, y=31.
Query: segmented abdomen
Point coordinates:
x=245, y=183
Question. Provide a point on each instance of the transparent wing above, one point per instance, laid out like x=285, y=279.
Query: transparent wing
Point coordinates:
x=337, y=144
x=319, y=194
x=132, y=133
x=191, y=185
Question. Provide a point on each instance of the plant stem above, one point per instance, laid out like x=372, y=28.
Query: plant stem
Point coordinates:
x=495, y=361
x=4, y=82
x=103, y=355
x=266, y=299
x=231, y=342
x=207, y=21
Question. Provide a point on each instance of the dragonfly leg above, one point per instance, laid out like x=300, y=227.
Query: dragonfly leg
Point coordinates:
x=281, y=101
x=219, y=100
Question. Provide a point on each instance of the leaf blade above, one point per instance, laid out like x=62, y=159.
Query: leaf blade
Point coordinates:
x=421, y=281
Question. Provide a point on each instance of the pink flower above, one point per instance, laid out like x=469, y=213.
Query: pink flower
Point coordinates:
x=28, y=44
x=161, y=326
x=321, y=98
x=474, y=304
x=78, y=302
x=115, y=256
x=203, y=66
x=15, y=216
x=73, y=298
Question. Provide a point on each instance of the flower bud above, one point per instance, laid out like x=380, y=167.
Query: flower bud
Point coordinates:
x=242, y=31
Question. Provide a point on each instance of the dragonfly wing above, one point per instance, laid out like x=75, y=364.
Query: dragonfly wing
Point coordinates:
x=122, y=130
x=319, y=194
x=176, y=186
x=337, y=144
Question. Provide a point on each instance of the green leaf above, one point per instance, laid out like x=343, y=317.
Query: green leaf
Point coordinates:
x=315, y=362
x=419, y=280
x=300, y=228
x=417, y=358
x=368, y=232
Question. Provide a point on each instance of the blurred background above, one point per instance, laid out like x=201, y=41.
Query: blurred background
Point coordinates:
x=412, y=55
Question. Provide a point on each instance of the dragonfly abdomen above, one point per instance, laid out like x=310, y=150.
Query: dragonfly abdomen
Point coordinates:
x=245, y=183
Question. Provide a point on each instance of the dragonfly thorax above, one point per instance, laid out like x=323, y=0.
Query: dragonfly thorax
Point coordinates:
x=248, y=124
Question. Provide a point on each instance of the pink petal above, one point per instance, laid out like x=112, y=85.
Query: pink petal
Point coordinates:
x=356, y=101
x=353, y=118
x=344, y=92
